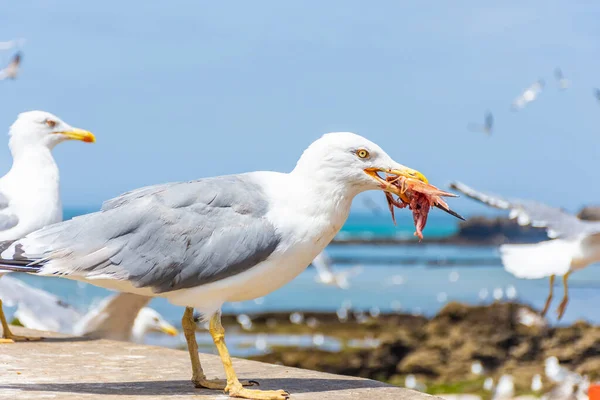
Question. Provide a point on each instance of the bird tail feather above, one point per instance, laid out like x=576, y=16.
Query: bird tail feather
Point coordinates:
x=540, y=260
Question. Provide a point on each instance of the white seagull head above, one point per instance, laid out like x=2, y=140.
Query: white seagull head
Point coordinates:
x=44, y=129
x=149, y=320
x=351, y=161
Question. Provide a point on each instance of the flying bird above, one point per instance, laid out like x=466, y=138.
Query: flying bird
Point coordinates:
x=487, y=126
x=597, y=94
x=327, y=276
x=123, y=316
x=372, y=205
x=529, y=95
x=202, y=243
x=29, y=192
x=11, y=44
x=563, y=83
x=575, y=243
x=12, y=69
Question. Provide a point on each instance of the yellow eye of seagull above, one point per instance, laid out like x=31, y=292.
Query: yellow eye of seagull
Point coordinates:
x=50, y=123
x=362, y=153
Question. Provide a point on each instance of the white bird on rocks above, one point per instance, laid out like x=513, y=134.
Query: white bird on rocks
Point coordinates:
x=327, y=276
x=477, y=368
x=122, y=316
x=215, y=240
x=505, y=389
x=411, y=382
x=488, y=384
x=29, y=192
x=536, y=383
x=575, y=244
x=554, y=371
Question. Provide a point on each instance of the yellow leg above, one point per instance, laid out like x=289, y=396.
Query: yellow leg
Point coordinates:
x=7, y=335
x=550, y=295
x=563, y=304
x=234, y=387
x=198, y=377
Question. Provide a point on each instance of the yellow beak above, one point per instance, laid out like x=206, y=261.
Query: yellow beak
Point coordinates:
x=400, y=171
x=79, y=134
x=169, y=330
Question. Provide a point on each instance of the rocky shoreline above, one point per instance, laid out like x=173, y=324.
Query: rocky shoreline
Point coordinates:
x=504, y=337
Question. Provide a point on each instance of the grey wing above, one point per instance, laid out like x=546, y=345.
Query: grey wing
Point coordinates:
x=557, y=222
x=181, y=236
x=36, y=308
x=134, y=195
x=8, y=218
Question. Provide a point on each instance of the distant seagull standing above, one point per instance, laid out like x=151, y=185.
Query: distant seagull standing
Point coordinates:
x=29, y=192
x=575, y=244
x=529, y=95
x=563, y=83
x=487, y=126
x=12, y=69
x=505, y=389
x=325, y=274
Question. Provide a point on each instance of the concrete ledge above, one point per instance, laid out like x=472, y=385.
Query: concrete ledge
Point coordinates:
x=64, y=367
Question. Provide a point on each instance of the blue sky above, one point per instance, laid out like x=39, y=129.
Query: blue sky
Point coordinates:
x=181, y=90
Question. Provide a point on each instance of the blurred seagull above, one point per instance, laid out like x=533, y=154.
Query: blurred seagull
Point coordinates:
x=12, y=69
x=563, y=83
x=123, y=316
x=29, y=192
x=529, y=95
x=371, y=205
x=505, y=389
x=536, y=383
x=326, y=276
x=597, y=94
x=11, y=44
x=487, y=126
x=575, y=244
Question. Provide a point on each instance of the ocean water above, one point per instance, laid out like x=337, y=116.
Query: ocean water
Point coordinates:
x=406, y=278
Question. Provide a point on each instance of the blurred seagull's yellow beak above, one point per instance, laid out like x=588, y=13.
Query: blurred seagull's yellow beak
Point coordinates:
x=169, y=330
x=79, y=134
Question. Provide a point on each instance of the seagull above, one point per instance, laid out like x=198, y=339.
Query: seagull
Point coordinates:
x=505, y=389
x=10, y=44
x=487, y=126
x=12, y=69
x=29, y=192
x=529, y=95
x=597, y=94
x=123, y=316
x=563, y=83
x=575, y=243
x=536, y=383
x=222, y=239
x=371, y=205
x=326, y=276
